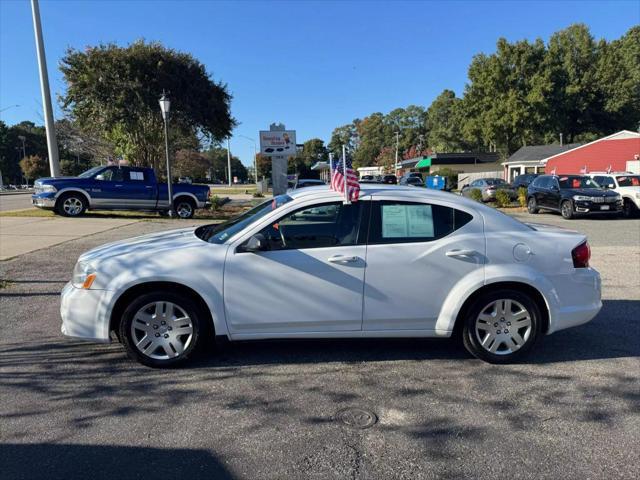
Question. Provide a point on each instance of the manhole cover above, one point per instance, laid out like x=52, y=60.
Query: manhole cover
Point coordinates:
x=356, y=417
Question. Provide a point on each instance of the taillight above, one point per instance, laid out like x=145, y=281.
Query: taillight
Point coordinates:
x=581, y=255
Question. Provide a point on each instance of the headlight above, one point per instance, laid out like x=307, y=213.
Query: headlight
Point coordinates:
x=582, y=198
x=83, y=275
x=48, y=189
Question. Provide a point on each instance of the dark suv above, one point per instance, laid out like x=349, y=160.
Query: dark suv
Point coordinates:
x=523, y=181
x=571, y=195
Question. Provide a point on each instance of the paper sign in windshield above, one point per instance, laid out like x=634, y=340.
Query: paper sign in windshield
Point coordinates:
x=407, y=221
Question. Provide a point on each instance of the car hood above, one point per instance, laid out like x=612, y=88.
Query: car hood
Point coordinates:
x=145, y=245
x=591, y=192
x=48, y=180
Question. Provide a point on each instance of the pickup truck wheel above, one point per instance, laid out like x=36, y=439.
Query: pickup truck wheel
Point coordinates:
x=71, y=205
x=184, y=207
x=161, y=328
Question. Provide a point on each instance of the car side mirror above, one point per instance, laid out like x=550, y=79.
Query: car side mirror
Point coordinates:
x=257, y=243
x=611, y=185
x=100, y=177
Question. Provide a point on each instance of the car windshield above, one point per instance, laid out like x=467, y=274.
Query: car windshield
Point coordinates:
x=575, y=181
x=224, y=231
x=629, y=181
x=90, y=173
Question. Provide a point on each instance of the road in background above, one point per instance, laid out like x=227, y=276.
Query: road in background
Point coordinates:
x=15, y=201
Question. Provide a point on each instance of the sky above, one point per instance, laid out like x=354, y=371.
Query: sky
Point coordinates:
x=312, y=65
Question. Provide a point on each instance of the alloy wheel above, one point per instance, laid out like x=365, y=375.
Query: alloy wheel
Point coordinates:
x=184, y=210
x=503, y=326
x=161, y=330
x=72, y=206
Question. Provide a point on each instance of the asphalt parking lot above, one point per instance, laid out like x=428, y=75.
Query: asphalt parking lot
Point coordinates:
x=267, y=409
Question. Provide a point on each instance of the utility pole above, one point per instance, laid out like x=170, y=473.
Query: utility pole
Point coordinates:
x=229, y=160
x=52, y=144
x=397, y=148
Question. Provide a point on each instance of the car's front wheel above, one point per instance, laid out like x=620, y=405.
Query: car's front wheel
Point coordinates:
x=501, y=326
x=71, y=205
x=628, y=209
x=566, y=209
x=162, y=328
x=532, y=205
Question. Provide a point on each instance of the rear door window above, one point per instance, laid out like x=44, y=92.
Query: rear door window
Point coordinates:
x=408, y=222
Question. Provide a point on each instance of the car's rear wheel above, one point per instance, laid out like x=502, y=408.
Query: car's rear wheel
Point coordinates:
x=161, y=329
x=532, y=205
x=501, y=326
x=567, y=210
x=184, y=207
x=71, y=205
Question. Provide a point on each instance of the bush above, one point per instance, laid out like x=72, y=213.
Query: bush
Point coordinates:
x=522, y=196
x=502, y=199
x=476, y=194
x=216, y=202
x=257, y=195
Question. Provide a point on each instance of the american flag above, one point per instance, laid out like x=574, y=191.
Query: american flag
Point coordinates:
x=338, y=176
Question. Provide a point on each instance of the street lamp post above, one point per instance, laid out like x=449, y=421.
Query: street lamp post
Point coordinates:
x=165, y=105
x=255, y=156
x=397, y=148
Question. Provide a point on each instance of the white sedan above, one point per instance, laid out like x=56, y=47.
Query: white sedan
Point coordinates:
x=400, y=262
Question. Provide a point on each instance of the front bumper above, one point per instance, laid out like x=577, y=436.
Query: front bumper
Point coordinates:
x=585, y=208
x=85, y=314
x=44, y=200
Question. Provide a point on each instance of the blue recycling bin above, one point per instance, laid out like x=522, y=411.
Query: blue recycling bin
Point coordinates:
x=436, y=182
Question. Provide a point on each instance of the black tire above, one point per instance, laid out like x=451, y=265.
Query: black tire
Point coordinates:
x=566, y=210
x=184, y=304
x=184, y=207
x=470, y=332
x=532, y=205
x=71, y=205
x=629, y=210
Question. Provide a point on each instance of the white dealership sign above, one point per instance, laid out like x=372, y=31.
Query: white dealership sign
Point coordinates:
x=278, y=143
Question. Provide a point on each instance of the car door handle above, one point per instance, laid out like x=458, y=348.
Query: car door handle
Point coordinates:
x=343, y=259
x=461, y=253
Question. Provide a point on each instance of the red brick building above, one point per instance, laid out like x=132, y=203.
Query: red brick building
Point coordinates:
x=612, y=152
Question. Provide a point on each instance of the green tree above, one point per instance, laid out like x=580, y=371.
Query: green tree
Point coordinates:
x=570, y=67
x=116, y=90
x=217, y=159
x=312, y=151
x=345, y=135
x=618, y=77
x=191, y=163
x=445, y=123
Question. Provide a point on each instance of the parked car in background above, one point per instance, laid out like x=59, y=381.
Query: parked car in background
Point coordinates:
x=390, y=179
x=370, y=179
x=571, y=195
x=501, y=285
x=523, y=181
x=626, y=184
x=488, y=188
x=412, y=181
x=117, y=188
x=306, y=182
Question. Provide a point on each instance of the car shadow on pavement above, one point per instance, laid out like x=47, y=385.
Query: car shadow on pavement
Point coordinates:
x=70, y=461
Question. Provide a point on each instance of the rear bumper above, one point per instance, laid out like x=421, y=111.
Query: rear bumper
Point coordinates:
x=577, y=299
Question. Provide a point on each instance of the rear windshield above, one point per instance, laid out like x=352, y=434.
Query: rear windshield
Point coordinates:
x=629, y=181
x=224, y=231
x=575, y=181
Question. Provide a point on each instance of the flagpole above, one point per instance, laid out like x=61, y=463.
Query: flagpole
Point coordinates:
x=344, y=175
x=331, y=169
